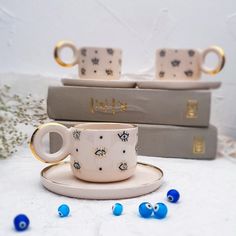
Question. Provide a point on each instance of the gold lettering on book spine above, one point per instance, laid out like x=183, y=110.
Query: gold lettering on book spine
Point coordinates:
x=198, y=145
x=192, y=109
x=104, y=106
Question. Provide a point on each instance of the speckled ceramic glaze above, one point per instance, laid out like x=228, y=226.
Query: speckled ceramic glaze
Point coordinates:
x=93, y=62
x=186, y=64
x=99, y=152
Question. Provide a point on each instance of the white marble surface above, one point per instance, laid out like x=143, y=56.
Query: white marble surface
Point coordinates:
x=207, y=205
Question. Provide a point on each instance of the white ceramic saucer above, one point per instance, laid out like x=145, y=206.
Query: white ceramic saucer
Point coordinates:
x=178, y=85
x=99, y=83
x=59, y=179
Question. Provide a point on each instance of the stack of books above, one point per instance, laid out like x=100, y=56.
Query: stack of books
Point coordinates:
x=172, y=123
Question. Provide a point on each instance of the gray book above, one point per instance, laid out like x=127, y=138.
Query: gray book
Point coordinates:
x=130, y=105
x=165, y=141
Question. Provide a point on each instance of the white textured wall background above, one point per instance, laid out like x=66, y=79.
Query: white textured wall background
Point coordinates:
x=29, y=30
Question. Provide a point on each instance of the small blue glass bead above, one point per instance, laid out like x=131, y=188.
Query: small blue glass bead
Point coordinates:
x=63, y=210
x=145, y=209
x=160, y=210
x=173, y=195
x=117, y=209
x=21, y=222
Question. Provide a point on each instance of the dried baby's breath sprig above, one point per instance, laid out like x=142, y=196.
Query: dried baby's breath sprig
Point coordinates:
x=17, y=112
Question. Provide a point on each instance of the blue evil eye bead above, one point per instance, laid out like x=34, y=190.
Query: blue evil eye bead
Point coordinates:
x=173, y=195
x=145, y=209
x=21, y=222
x=63, y=210
x=160, y=210
x=117, y=209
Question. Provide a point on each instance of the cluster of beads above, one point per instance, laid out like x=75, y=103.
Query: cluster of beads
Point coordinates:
x=146, y=210
x=160, y=210
x=21, y=222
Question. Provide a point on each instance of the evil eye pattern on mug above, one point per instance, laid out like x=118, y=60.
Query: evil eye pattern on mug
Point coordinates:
x=186, y=64
x=99, y=152
x=93, y=62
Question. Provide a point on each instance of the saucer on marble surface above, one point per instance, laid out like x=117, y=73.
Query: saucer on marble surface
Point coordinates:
x=99, y=83
x=59, y=179
x=178, y=85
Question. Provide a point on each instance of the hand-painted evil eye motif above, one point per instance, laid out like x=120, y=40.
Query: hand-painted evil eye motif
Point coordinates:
x=175, y=63
x=110, y=51
x=145, y=209
x=191, y=53
x=188, y=73
x=95, y=61
x=76, y=134
x=101, y=152
x=160, y=210
x=123, y=166
x=124, y=136
x=76, y=165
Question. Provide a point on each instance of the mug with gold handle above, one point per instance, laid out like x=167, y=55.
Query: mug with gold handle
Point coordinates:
x=186, y=64
x=93, y=62
x=99, y=152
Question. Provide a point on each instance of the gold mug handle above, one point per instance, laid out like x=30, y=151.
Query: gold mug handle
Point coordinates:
x=37, y=148
x=221, y=60
x=57, y=53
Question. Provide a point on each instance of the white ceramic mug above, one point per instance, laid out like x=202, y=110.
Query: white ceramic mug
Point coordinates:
x=99, y=152
x=186, y=64
x=93, y=62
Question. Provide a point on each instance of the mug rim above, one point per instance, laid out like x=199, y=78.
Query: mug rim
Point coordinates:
x=178, y=49
x=126, y=126
x=93, y=48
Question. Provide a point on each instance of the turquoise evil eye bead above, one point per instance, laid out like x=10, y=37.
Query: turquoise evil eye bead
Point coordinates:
x=173, y=195
x=160, y=210
x=117, y=209
x=63, y=210
x=145, y=209
x=21, y=222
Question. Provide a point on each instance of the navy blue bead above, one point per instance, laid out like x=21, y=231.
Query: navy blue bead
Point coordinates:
x=117, y=209
x=63, y=210
x=21, y=222
x=173, y=195
x=145, y=209
x=160, y=210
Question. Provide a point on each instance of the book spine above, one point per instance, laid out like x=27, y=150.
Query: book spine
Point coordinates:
x=168, y=107
x=166, y=141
